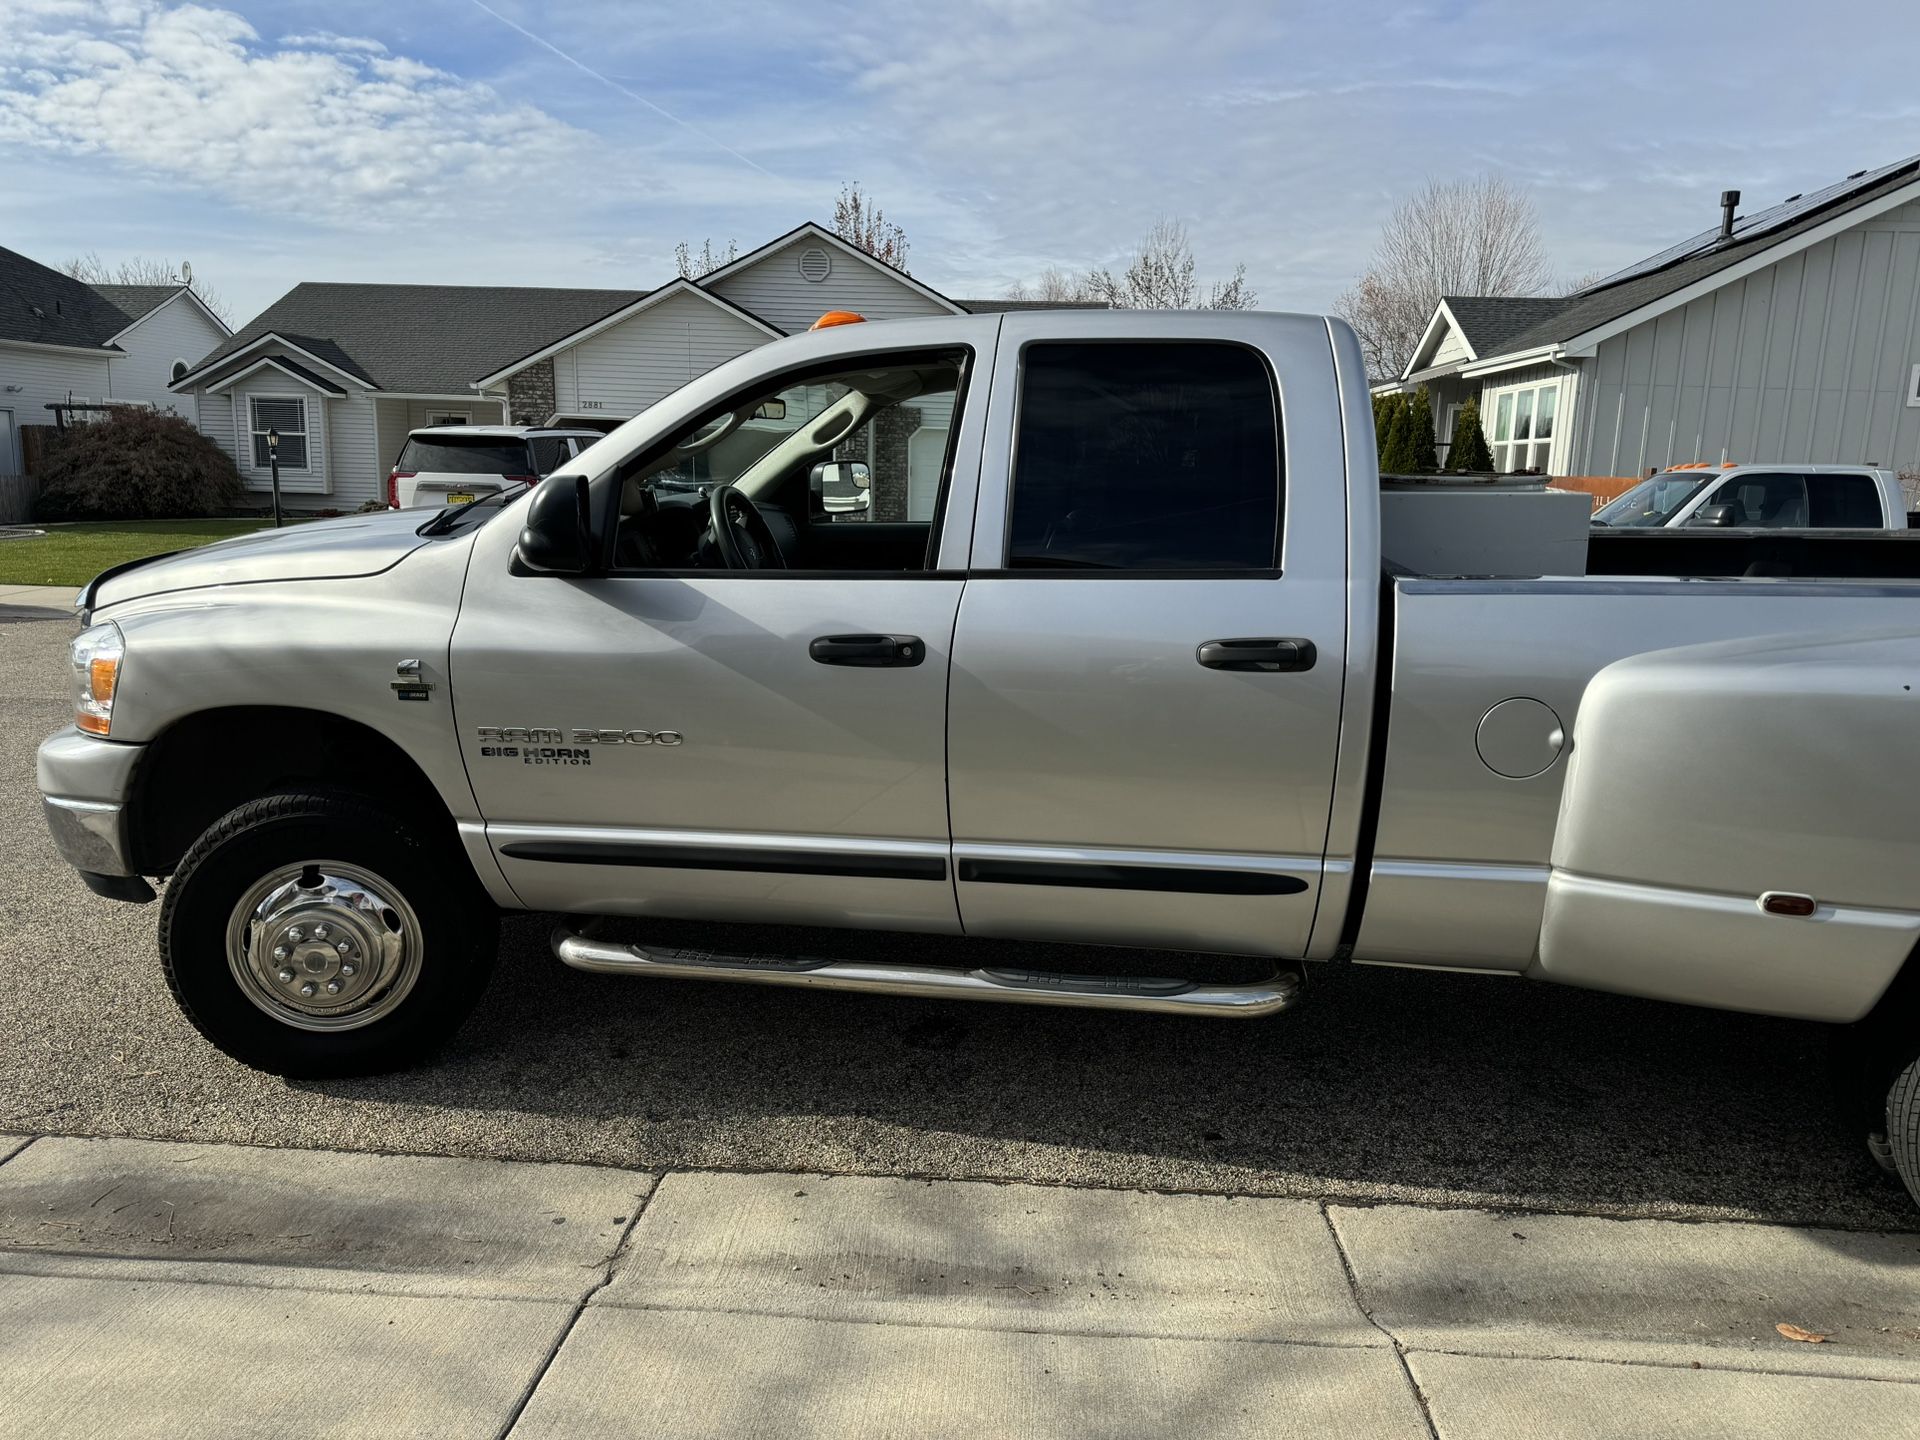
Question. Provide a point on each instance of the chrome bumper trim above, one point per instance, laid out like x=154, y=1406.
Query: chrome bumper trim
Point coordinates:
x=1020, y=987
x=89, y=834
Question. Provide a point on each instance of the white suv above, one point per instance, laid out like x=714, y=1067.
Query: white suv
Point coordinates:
x=452, y=464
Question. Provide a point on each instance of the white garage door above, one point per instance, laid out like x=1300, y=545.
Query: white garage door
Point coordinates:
x=926, y=451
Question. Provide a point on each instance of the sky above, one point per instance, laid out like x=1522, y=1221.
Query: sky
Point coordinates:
x=509, y=142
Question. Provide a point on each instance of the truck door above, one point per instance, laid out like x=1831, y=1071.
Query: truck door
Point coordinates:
x=1149, y=657
x=754, y=744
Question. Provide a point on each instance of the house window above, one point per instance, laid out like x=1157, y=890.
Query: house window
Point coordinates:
x=288, y=415
x=449, y=417
x=1523, y=420
x=180, y=368
x=1913, y=387
x=1443, y=442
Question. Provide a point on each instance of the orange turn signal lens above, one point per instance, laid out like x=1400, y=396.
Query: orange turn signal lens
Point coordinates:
x=96, y=675
x=838, y=317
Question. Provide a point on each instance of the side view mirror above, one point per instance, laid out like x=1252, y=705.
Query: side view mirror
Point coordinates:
x=1721, y=515
x=841, y=487
x=558, y=536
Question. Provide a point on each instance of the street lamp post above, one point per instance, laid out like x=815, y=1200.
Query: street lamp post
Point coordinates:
x=273, y=463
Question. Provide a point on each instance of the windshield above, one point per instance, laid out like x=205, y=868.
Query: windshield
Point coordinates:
x=1655, y=501
x=457, y=455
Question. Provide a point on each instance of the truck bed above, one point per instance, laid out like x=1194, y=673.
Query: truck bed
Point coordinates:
x=1462, y=854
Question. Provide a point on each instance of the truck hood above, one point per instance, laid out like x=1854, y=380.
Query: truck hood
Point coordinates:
x=314, y=550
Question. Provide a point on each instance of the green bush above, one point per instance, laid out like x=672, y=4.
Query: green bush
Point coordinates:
x=136, y=464
x=1396, y=453
x=1469, y=449
x=1386, y=409
x=1420, y=428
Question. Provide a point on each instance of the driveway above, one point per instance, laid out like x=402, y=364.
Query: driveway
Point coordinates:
x=1384, y=1085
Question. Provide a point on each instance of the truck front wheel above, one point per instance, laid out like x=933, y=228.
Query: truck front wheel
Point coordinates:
x=316, y=935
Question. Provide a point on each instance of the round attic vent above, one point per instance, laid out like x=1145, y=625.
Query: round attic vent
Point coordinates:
x=815, y=265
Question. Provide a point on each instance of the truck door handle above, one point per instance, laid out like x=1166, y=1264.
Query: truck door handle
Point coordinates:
x=1272, y=656
x=869, y=651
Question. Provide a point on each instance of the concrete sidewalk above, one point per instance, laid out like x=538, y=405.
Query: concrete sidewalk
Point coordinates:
x=161, y=1289
x=39, y=597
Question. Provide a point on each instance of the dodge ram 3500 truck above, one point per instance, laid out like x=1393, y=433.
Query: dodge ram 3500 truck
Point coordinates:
x=1113, y=656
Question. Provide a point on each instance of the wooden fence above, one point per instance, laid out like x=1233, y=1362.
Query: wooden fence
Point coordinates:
x=17, y=494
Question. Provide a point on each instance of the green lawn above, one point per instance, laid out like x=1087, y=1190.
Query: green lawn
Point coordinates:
x=74, y=554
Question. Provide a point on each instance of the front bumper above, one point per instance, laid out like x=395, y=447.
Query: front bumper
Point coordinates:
x=85, y=783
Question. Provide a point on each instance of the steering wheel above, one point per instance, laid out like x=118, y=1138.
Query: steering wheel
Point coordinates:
x=741, y=533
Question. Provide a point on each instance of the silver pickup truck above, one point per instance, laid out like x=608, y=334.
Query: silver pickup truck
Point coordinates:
x=1113, y=656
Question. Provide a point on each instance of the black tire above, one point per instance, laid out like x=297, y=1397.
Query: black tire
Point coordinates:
x=1903, y=1126
x=458, y=933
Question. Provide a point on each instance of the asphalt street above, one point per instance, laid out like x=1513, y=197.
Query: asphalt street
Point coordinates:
x=1382, y=1085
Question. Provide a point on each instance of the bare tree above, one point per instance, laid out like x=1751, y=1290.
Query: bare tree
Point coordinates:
x=1054, y=287
x=1160, y=275
x=1457, y=237
x=693, y=266
x=861, y=223
x=142, y=270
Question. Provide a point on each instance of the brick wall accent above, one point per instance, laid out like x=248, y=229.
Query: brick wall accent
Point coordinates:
x=891, y=430
x=530, y=394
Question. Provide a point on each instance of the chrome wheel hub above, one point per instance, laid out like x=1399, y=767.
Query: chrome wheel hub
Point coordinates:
x=324, y=945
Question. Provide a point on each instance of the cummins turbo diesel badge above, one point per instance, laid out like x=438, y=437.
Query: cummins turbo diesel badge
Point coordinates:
x=539, y=735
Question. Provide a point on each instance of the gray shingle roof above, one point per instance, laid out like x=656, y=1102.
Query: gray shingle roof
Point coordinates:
x=424, y=339
x=41, y=306
x=134, y=301
x=997, y=307
x=1598, y=304
x=1490, y=321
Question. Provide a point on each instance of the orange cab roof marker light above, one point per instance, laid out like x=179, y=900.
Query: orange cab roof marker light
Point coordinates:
x=837, y=317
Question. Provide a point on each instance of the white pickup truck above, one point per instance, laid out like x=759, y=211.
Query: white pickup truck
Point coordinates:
x=1762, y=497
x=1114, y=656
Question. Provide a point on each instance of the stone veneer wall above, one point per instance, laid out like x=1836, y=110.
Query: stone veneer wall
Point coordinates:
x=530, y=394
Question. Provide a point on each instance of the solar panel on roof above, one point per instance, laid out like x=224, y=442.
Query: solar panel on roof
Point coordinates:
x=1761, y=222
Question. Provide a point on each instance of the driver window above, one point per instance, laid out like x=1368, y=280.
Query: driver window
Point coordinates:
x=845, y=468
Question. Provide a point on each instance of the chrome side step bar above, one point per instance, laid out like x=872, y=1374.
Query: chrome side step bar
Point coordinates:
x=1020, y=987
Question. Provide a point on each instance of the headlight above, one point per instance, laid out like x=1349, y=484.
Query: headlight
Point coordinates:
x=96, y=673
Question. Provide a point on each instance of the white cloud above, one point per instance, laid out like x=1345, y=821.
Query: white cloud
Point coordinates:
x=327, y=40
x=316, y=127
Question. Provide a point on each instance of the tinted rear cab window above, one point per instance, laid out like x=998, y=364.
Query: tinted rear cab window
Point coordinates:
x=1844, y=502
x=458, y=455
x=1145, y=456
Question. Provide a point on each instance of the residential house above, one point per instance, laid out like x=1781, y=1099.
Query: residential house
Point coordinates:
x=343, y=372
x=64, y=342
x=1788, y=334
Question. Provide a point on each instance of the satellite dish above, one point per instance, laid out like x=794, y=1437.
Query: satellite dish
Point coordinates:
x=186, y=273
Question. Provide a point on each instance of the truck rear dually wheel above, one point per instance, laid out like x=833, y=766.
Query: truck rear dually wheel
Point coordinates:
x=316, y=935
x=1903, y=1126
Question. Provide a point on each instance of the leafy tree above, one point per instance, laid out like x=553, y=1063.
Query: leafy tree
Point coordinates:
x=1420, y=428
x=693, y=266
x=861, y=223
x=136, y=464
x=1396, y=456
x=141, y=270
x=1469, y=449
